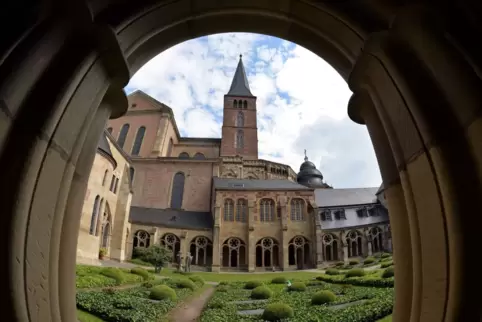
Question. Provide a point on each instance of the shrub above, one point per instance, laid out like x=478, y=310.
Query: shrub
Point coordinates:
x=162, y=292
x=339, y=264
x=141, y=272
x=355, y=272
x=224, y=283
x=184, y=284
x=297, y=287
x=323, y=297
x=252, y=285
x=386, y=264
x=197, y=279
x=279, y=280
x=389, y=272
x=369, y=260
x=222, y=288
x=261, y=293
x=114, y=273
x=385, y=255
x=332, y=271
x=216, y=305
x=277, y=312
x=353, y=262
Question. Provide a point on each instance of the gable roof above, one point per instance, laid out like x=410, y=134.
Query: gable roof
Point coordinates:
x=240, y=84
x=171, y=218
x=345, y=197
x=252, y=184
x=104, y=149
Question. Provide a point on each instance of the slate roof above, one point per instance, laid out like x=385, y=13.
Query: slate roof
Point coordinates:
x=240, y=85
x=171, y=218
x=104, y=148
x=251, y=184
x=345, y=197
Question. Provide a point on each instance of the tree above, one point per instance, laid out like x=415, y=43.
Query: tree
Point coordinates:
x=156, y=255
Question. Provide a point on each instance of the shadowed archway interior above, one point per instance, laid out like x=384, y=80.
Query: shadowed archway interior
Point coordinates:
x=415, y=73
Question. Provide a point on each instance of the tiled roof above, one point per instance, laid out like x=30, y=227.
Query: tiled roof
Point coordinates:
x=252, y=184
x=171, y=218
x=345, y=197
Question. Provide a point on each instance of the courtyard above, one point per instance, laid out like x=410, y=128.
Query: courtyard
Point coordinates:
x=358, y=291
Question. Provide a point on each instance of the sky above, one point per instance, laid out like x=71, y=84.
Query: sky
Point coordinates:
x=301, y=102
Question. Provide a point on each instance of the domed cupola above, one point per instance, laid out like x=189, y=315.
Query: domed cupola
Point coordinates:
x=309, y=175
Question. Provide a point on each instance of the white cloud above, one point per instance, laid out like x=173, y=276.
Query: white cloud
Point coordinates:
x=302, y=101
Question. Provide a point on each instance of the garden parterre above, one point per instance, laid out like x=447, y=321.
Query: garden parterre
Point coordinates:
x=135, y=304
x=378, y=303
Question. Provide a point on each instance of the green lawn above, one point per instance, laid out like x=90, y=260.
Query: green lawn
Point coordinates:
x=218, y=277
x=87, y=317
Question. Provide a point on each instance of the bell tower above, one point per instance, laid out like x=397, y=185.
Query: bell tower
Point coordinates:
x=240, y=130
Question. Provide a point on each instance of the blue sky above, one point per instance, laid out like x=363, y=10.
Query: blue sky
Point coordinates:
x=301, y=101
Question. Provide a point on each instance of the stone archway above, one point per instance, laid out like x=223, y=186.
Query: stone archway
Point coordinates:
x=330, y=247
x=299, y=252
x=267, y=253
x=201, y=249
x=233, y=253
x=173, y=244
x=422, y=113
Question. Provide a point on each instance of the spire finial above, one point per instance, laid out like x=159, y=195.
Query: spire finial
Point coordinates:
x=240, y=56
x=306, y=157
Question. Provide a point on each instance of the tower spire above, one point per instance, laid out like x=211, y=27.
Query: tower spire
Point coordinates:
x=240, y=85
x=306, y=157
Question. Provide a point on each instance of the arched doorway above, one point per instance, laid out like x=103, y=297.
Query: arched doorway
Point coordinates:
x=267, y=253
x=234, y=253
x=201, y=249
x=330, y=247
x=354, y=243
x=299, y=252
x=173, y=244
x=421, y=112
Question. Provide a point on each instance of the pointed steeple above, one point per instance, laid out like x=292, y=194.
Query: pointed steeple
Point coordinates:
x=240, y=85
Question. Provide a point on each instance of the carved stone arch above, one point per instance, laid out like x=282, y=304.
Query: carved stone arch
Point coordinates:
x=331, y=246
x=201, y=250
x=354, y=241
x=172, y=243
x=234, y=253
x=267, y=252
x=299, y=252
x=141, y=239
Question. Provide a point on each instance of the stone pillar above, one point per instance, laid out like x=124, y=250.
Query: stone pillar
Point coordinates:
x=284, y=233
x=251, y=242
x=216, y=265
x=184, y=241
x=345, y=253
x=370, y=251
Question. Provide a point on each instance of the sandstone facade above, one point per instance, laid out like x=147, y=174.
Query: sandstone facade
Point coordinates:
x=215, y=199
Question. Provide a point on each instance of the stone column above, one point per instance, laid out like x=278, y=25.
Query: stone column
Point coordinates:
x=284, y=234
x=370, y=251
x=216, y=265
x=251, y=242
x=345, y=253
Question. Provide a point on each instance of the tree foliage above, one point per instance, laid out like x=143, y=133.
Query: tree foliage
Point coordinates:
x=156, y=255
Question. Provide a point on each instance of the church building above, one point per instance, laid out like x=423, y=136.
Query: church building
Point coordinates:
x=214, y=199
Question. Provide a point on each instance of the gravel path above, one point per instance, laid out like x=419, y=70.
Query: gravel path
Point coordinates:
x=191, y=311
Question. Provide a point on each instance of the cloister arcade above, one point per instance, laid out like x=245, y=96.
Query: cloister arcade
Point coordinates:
x=359, y=242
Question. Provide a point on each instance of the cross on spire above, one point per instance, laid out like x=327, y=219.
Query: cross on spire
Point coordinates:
x=306, y=157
